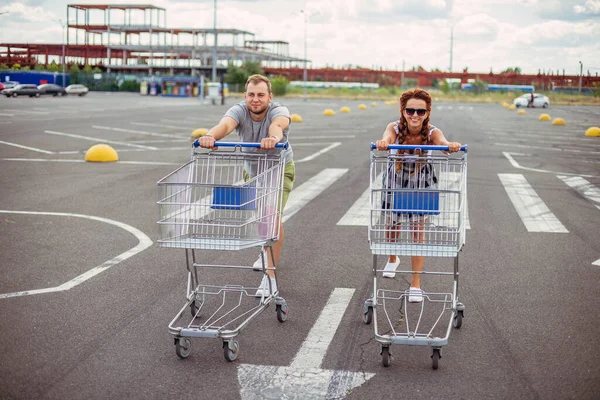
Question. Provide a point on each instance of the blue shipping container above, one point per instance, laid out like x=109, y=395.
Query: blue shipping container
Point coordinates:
x=35, y=77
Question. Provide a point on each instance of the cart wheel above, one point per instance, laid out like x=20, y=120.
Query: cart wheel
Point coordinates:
x=231, y=350
x=183, y=347
x=367, y=314
x=457, y=321
x=282, y=312
x=435, y=358
x=386, y=357
x=194, y=309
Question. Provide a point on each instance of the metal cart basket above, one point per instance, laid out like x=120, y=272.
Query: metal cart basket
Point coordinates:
x=417, y=208
x=225, y=199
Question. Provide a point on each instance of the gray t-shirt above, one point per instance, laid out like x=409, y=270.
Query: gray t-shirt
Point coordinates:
x=252, y=131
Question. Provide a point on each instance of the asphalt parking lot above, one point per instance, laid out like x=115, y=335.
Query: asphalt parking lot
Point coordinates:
x=86, y=295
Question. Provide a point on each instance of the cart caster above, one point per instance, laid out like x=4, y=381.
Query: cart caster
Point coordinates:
x=231, y=349
x=435, y=358
x=183, y=347
x=368, y=312
x=282, y=312
x=386, y=357
x=457, y=320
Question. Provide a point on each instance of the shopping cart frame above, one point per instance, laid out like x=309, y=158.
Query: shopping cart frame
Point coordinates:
x=447, y=242
x=233, y=314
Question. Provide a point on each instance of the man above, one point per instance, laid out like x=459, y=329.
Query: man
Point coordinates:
x=259, y=120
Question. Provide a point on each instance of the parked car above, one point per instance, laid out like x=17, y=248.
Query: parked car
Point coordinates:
x=10, y=84
x=2, y=87
x=79, y=90
x=539, y=100
x=22, y=90
x=52, y=89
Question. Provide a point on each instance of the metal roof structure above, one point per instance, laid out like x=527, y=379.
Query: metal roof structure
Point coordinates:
x=136, y=38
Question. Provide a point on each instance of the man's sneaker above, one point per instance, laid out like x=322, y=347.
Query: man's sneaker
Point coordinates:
x=263, y=289
x=258, y=263
x=390, y=268
x=415, y=295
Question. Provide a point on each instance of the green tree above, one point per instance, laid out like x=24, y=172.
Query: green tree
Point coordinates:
x=478, y=87
x=87, y=68
x=74, y=73
x=53, y=67
x=16, y=67
x=26, y=68
x=3, y=66
x=235, y=75
x=38, y=67
x=252, y=68
x=97, y=70
x=279, y=85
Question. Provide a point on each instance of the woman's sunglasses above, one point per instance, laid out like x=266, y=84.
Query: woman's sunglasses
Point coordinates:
x=411, y=111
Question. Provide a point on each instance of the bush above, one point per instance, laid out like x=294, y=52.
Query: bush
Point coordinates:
x=279, y=86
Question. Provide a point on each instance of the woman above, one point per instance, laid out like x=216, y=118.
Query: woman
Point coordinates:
x=413, y=128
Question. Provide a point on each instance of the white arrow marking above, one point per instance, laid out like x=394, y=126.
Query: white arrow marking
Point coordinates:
x=144, y=243
x=517, y=165
x=303, y=379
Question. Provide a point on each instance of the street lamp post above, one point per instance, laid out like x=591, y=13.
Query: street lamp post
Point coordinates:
x=580, y=74
x=214, y=57
x=305, y=55
x=63, y=51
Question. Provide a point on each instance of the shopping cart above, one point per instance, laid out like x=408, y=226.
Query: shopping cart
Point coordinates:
x=410, y=216
x=225, y=199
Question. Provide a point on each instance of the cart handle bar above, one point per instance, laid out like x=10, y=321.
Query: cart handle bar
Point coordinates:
x=284, y=145
x=415, y=147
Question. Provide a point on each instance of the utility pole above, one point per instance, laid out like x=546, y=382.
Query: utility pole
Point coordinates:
x=305, y=52
x=63, y=51
x=580, y=74
x=451, y=46
x=214, y=58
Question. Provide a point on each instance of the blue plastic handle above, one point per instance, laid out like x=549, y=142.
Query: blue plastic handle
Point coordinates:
x=283, y=145
x=414, y=147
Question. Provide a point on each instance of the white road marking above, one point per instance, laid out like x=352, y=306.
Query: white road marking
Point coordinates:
x=26, y=147
x=28, y=111
x=100, y=140
x=304, y=379
x=317, y=342
x=524, y=146
x=144, y=243
x=310, y=189
x=108, y=128
x=7, y=115
x=533, y=211
x=583, y=187
x=82, y=161
x=517, y=165
x=318, y=153
x=586, y=189
x=160, y=125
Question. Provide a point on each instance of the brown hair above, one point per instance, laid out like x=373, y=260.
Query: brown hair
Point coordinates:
x=256, y=79
x=403, y=126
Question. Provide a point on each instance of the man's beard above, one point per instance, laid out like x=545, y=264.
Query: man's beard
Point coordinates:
x=258, y=112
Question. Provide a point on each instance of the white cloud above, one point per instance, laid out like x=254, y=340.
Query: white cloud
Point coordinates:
x=590, y=7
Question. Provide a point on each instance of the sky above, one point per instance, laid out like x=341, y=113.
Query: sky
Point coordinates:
x=534, y=35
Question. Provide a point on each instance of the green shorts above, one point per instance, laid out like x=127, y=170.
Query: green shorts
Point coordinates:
x=289, y=176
